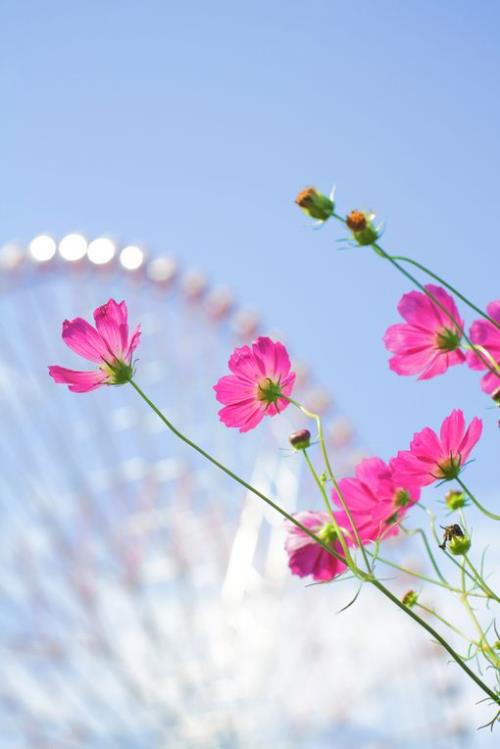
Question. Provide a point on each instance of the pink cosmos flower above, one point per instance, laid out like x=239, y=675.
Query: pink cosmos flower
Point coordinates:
x=429, y=342
x=484, y=333
x=432, y=458
x=108, y=345
x=307, y=557
x=376, y=498
x=261, y=376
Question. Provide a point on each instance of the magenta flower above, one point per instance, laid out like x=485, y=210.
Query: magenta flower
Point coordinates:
x=306, y=556
x=484, y=333
x=429, y=342
x=261, y=377
x=432, y=458
x=108, y=345
x=377, y=499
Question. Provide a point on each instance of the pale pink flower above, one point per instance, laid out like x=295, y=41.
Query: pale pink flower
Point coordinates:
x=484, y=333
x=260, y=377
x=429, y=342
x=108, y=345
x=306, y=556
x=376, y=498
x=432, y=458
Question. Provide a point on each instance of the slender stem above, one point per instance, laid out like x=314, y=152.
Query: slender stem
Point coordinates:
x=484, y=645
x=439, y=638
x=479, y=580
x=425, y=578
x=444, y=621
x=367, y=577
x=448, y=286
x=481, y=351
x=382, y=253
x=476, y=502
x=234, y=476
x=332, y=477
x=329, y=510
x=427, y=545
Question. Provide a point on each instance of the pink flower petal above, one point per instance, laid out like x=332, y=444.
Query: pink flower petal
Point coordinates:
x=470, y=438
x=112, y=326
x=78, y=382
x=232, y=389
x=85, y=341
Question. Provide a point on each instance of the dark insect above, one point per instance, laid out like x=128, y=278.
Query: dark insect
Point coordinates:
x=450, y=531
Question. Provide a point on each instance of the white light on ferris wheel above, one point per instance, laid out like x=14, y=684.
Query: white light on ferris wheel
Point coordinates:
x=42, y=248
x=131, y=257
x=73, y=247
x=101, y=251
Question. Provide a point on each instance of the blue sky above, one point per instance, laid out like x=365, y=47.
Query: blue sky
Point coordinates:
x=191, y=127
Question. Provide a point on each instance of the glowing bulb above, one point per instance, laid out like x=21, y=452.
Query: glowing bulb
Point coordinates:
x=42, y=248
x=162, y=270
x=131, y=257
x=101, y=250
x=73, y=247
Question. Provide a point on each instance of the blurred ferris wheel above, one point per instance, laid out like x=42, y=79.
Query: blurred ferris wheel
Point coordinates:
x=146, y=601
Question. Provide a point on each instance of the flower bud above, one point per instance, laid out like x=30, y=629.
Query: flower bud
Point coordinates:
x=361, y=225
x=315, y=204
x=459, y=545
x=455, y=499
x=410, y=599
x=301, y=439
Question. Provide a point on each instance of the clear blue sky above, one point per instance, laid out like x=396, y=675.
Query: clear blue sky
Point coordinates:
x=191, y=126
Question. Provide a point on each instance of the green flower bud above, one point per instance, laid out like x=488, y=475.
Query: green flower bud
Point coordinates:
x=315, y=204
x=301, y=439
x=361, y=225
x=459, y=545
x=455, y=499
x=410, y=599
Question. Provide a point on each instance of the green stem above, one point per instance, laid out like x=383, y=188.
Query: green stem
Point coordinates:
x=233, y=475
x=382, y=253
x=479, y=580
x=444, y=621
x=476, y=502
x=484, y=645
x=367, y=577
x=441, y=640
x=425, y=578
x=427, y=545
x=448, y=286
x=332, y=477
x=329, y=510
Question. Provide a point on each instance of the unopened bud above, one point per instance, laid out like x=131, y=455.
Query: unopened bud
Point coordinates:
x=496, y=396
x=459, y=545
x=301, y=439
x=410, y=599
x=361, y=225
x=455, y=499
x=315, y=204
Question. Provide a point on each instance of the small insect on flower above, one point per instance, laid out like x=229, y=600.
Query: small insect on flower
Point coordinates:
x=108, y=345
x=458, y=542
x=260, y=384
